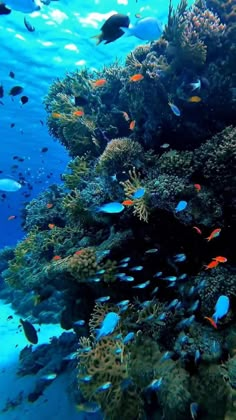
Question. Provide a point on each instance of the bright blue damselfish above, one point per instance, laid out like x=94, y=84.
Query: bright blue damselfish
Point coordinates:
x=111, y=208
x=108, y=325
x=221, y=308
x=181, y=206
x=148, y=29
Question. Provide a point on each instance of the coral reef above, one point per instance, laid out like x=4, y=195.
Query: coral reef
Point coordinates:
x=166, y=140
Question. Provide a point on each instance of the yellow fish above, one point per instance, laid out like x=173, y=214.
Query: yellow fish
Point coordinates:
x=194, y=99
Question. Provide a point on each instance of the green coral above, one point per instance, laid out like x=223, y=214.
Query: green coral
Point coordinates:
x=79, y=168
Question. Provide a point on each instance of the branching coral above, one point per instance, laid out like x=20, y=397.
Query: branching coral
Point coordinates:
x=191, y=32
x=140, y=204
x=79, y=168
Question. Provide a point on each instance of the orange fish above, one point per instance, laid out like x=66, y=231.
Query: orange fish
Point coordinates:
x=198, y=187
x=51, y=225
x=194, y=99
x=220, y=259
x=132, y=125
x=214, y=234
x=136, y=77
x=212, y=322
x=56, y=115
x=79, y=252
x=197, y=229
x=79, y=113
x=127, y=202
x=99, y=82
x=126, y=116
x=56, y=258
x=11, y=217
x=49, y=205
x=212, y=264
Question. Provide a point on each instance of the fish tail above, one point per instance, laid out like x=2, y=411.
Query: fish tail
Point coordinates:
x=98, y=38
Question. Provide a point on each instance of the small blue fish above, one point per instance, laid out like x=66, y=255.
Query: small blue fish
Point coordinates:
x=104, y=387
x=111, y=208
x=197, y=356
x=196, y=85
x=142, y=285
x=103, y=299
x=158, y=274
x=139, y=193
x=109, y=324
x=182, y=276
x=155, y=384
x=194, y=407
x=79, y=323
x=170, y=278
x=86, y=379
x=129, y=337
x=174, y=109
x=123, y=265
x=183, y=339
x=100, y=272
x=162, y=317
x=172, y=304
x=186, y=322
x=146, y=304
x=151, y=251
x=221, y=308
x=127, y=278
x=137, y=268
x=181, y=206
x=180, y=258
x=120, y=275
x=155, y=290
x=125, y=260
x=147, y=29
x=194, y=306
x=123, y=303
x=167, y=355
x=118, y=351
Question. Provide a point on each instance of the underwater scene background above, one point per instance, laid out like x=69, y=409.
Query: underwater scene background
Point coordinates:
x=118, y=197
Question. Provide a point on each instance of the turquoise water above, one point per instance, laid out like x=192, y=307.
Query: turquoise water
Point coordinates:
x=61, y=42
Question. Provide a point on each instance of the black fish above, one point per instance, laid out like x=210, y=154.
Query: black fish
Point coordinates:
x=44, y=149
x=28, y=25
x=12, y=125
x=30, y=331
x=1, y=91
x=24, y=100
x=16, y=90
x=111, y=29
x=12, y=74
x=4, y=10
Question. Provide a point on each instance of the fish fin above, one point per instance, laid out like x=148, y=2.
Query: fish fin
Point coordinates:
x=98, y=38
x=4, y=10
x=127, y=31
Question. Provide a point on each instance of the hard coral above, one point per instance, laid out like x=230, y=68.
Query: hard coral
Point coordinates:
x=83, y=264
x=119, y=155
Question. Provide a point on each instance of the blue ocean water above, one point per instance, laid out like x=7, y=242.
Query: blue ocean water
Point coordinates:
x=61, y=42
